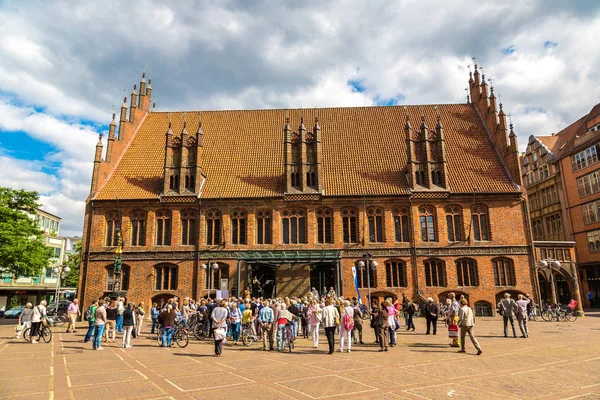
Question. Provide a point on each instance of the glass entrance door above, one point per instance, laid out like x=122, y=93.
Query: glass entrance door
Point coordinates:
x=322, y=277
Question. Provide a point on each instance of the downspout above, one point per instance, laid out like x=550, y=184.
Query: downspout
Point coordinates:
x=87, y=256
x=529, y=234
x=239, y=277
x=413, y=253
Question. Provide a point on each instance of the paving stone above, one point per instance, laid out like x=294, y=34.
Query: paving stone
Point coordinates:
x=246, y=392
x=274, y=374
x=208, y=381
x=325, y=386
x=123, y=390
x=105, y=377
x=20, y=386
x=456, y=390
x=88, y=368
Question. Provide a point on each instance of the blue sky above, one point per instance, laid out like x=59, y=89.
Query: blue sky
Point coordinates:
x=64, y=65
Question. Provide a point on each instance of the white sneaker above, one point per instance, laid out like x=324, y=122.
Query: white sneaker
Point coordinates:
x=127, y=346
x=349, y=351
x=100, y=348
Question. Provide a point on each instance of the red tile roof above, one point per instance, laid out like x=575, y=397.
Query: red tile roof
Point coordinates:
x=363, y=148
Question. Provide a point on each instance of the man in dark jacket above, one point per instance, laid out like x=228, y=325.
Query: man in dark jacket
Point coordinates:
x=431, y=315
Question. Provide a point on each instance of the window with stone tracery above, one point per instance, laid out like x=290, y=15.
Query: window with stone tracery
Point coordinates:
x=213, y=227
x=454, y=223
x=376, y=227
x=401, y=227
x=427, y=221
x=138, y=228
x=293, y=223
x=163, y=228
x=113, y=228
x=325, y=225
x=188, y=226
x=480, y=222
x=238, y=227
x=264, y=220
x=350, y=225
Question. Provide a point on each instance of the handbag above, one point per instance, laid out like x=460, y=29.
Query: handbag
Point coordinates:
x=18, y=328
x=219, y=334
x=453, y=331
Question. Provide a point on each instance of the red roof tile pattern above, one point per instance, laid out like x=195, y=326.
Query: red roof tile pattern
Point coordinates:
x=549, y=142
x=363, y=152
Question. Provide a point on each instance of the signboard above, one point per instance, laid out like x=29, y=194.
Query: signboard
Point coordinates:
x=224, y=284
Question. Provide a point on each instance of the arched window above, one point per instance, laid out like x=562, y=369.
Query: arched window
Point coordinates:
x=324, y=226
x=113, y=228
x=163, y=228
x=293, y=223
x=138, y=228
x=401, y=224
x=454, y=223
x=435, y=273
x=174, y=182
x=375, y=215
x=504, y=272
x=466, y=272
x=112, y=285
x=395, y=273
x=427, y=220
x=238, y=227
x=213, y=227
x=264, y=220
x=188, y=226
x=350, y=225
x=165, y=277
x=480, y=222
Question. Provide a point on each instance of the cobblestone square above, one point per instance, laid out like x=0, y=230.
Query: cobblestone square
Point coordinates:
x=560, y=360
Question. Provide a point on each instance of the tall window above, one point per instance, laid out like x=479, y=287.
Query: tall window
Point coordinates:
x=453, y=223
x=264, y=220
x=395, y=273
x=217, y=275
x=293, y=223
x=166, y=277
x=480, y=222
x=324, y=226
x=188, y=226
x=504, y=272
x=401, y=224
x=427, y=220
x=110, y=279
x=163, y=228
x=593, y=238
x=375, y=215
x=350, y=225
x=435, y=273
x=363, y=279
x=297, y=162
x=238, y=227
x=553, y=225
x=138, y=228
x=589, y=184
x=537, y=228
x=585, y=158
x=466, y=272
x=113, y=228
x=213, y=227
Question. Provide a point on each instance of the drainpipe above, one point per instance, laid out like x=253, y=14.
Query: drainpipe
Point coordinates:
x=413, y=253
x=529, y=235
x=81, y=292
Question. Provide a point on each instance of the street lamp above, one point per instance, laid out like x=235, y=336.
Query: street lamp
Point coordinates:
x=212, y=267
x=61, y=272
x=371, y=265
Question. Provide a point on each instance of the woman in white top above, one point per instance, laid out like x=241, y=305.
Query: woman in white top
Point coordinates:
x=330, y=315
x=346, y=325
x=314, y=319
x=39, y=312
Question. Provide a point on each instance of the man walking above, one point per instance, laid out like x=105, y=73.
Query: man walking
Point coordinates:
x=508, y=309
x=466, y=322
x=431, y=315
x=522, y=304
x=266, y=318
x=120, y=309
x=73, y=312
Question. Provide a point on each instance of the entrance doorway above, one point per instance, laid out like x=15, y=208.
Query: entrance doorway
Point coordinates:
x=262, y=281
x=323, y=276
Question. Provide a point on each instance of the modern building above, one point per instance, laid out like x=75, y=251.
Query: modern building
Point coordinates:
x=35, y=288
x=429, y=198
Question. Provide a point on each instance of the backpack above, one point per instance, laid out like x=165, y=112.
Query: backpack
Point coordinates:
x=88, y=314
x=348, y=322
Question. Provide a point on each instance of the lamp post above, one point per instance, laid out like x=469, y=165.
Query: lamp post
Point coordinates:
x=211, y=267
x=370, y=265
x=551, y=265
x=61, y=272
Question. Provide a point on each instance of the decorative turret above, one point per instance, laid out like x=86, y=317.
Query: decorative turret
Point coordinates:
x=97, y=162
x=133, y=106
x=111, y=138
x=171, y=180
x=123, y=119
x=183, y=164
x=149, y=89
x=142, y=91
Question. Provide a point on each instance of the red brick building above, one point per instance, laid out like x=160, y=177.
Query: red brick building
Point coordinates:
x=296, y=198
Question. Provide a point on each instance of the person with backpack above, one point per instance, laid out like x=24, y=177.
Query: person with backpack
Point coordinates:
x=392, y=322
x=154, y=316
x=89, y=316
x=357, y=331
x=347, y=326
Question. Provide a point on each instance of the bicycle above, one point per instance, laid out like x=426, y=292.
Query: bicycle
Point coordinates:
x=59, y=320
x=289, y=336
x=248, y=336
x=180, y=336
x=45, y=332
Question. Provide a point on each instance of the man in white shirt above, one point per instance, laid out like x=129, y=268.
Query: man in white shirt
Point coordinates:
x=120, y=309
x=522, y=315
x=39, y=312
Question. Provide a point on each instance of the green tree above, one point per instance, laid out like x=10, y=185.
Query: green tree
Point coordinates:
x=73, y=261
x=22, y=248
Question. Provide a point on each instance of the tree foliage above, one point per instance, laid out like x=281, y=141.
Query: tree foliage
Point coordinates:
x=73, y=261
x=22, y=248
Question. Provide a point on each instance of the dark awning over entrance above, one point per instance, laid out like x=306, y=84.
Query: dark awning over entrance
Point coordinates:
x=292, y=257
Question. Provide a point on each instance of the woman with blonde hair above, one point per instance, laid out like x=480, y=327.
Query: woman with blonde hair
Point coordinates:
x=346, y=325
x=25, y=319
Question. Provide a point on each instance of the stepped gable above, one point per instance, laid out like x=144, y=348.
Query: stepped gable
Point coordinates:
x=363, y=152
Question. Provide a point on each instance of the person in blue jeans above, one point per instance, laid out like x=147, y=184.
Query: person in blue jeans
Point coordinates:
x=100, y=321
x=154, y=315
x=120, y=309
x=91, y=320
x=167, y=320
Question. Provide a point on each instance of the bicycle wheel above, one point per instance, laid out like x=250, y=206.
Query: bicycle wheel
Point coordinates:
x=26, y=335
x=181, y=338
x=546, y=316
x=247, y=338
x=571, y=316
x=199, y=332
x=46, y=334
x=60, y=320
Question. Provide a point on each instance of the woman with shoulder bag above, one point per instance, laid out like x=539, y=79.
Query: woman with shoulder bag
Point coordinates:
x=24, y=319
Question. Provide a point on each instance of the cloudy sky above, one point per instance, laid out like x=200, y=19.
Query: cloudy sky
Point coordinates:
x=64, y=64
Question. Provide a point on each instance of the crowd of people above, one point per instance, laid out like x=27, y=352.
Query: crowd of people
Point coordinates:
x=269, y=319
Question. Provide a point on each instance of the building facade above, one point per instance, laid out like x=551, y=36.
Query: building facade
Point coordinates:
x=580, y=170
x=219, y=202
x=35, y=288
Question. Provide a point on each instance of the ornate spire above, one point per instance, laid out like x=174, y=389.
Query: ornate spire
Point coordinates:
x=317, y=127
x=407, y=123
x=301, y=127
x=439, y=123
